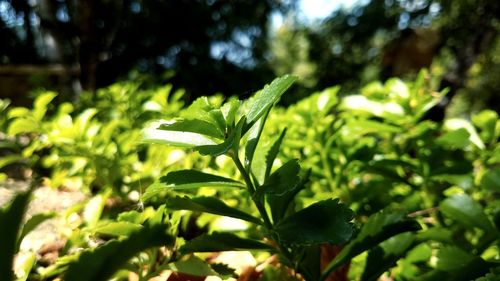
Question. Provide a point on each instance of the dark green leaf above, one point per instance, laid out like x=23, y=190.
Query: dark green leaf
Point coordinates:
x=465, y=210
x=378, y=228
x=491, y=180
x=383, y=257
x=279, y=204
x=493, y=275
x=325, y=221
x=449, y=262
x=218, y=242
x=223, y=270
x=388, y=172
x=188, y=179
x=310, y=263
x=283, y=180
x=210, y=205
x=451, y=258
x=102, y=262
x=10, y=223
x=268, y=96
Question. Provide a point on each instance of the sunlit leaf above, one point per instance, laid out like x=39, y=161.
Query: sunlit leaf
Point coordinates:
x=193, y=126
x=32, y=223
x=119, y=228
x=268, y=96
x=23, y=125
x=175, y=138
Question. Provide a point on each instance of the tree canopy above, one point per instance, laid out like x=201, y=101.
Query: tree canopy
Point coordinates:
x=231, y=46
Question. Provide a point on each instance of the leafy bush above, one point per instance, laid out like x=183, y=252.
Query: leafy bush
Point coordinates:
x=98, y=147
x=353, y=187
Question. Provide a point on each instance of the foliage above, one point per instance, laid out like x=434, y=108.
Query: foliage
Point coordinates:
x=295, y=234
x=358, y=187
x=94, y=147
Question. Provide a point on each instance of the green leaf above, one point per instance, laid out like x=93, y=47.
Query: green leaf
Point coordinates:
x=210, y=205
x=455, y=139
x=461, y=265
x=253, y=139
x=218, y=242
x=192, y=266
x=263, y=159
x=40, y=104
x=10, y=223
x=273, y=153
x=326, y=221
x=383, y=257
x=463, y=209
x=175, y=138
x=83, y=119
x=223, y=270
x=489, y=181
x=451, y=258
x=229, y=111
x=457, y=123
x=188, y=179
x=231, y=142
x=201, y=109
x=32, y=223
x=118, y=228
x=194, y=126
x=94, y=207
x=23, y=125
x=17, y=112
x=486, y=120
x=364, y=127
x=268, y=96
x=379, y=227
x=283, y=180
x=9, y=159
x=102, y=262
x=27, y=262
x=280, y=204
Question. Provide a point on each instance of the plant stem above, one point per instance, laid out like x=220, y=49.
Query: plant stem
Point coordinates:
x=243, y=172
x=251, y=190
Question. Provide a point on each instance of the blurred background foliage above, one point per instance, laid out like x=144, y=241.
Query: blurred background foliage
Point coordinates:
x=233, y=47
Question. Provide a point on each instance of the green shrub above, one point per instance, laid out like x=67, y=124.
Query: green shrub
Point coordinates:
x=366, y=175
